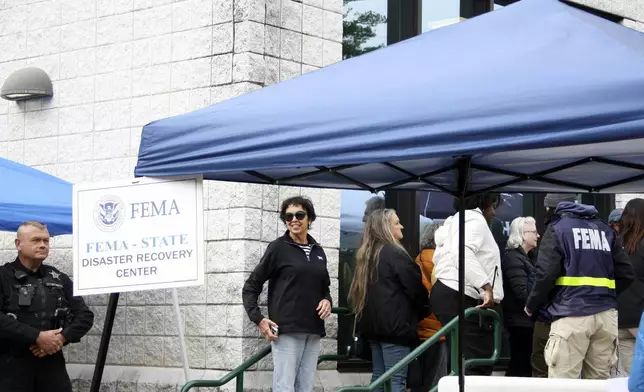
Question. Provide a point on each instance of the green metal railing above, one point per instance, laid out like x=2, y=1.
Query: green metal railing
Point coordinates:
x=384, y=381
x=238, y=372
x=498, y=342
x=336, y=357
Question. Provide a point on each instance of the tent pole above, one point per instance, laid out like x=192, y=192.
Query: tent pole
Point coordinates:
x=182, y=337
x=105, y=342
x=463, y=171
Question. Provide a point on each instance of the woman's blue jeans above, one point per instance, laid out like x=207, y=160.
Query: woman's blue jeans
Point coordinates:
x=295, y=361
x=383, y=357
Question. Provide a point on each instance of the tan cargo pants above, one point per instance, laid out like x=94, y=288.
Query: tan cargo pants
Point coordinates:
x=588, y=343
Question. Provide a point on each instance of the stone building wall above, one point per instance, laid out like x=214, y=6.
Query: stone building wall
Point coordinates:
x=631, y=10
x=119, y=64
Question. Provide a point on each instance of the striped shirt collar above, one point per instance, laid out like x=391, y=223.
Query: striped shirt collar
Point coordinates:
x=311, y=241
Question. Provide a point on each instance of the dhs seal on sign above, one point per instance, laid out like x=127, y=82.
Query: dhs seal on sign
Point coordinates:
x=109, y=213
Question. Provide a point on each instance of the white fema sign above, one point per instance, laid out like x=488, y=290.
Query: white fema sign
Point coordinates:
x=138, y=235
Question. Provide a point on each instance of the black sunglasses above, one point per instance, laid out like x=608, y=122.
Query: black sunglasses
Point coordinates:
x=299, y=215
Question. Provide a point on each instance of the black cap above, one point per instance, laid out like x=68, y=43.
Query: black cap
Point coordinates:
x=552, y=200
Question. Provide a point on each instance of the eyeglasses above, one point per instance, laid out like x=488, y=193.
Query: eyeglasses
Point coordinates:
x=299, y=215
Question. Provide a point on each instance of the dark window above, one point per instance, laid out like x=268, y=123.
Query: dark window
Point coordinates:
x=352, y=211
x=437, y=206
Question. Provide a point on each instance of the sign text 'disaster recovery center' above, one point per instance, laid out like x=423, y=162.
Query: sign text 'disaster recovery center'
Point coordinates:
x=138, y=236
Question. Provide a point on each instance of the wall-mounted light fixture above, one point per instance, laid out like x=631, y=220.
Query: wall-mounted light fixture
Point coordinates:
x=27, y=83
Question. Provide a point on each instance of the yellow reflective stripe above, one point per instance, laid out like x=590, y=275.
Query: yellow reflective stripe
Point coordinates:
x=585, y=281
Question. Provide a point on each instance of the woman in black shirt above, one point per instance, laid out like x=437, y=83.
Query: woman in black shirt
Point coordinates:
x=387, y=295
x=299, y=299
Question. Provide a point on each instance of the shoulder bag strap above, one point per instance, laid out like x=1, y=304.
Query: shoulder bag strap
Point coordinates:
x=355, y=323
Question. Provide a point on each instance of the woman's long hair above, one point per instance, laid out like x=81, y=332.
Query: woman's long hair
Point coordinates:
x=377, y=233
x=632, y=224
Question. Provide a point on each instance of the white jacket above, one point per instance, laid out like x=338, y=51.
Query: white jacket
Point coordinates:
x=482, y=255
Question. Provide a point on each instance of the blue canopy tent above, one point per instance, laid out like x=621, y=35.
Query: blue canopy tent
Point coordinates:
x=514, y=89
x=29, y=194
x=536, y=97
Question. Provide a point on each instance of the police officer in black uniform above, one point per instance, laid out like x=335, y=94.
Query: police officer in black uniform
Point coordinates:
x=38, y=316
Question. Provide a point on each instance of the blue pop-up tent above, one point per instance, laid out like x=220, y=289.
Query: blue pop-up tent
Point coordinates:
x=541, y=95
x=30, y=194
x=538, y=96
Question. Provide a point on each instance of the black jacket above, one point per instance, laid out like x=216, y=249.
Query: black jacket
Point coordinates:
x=48, y=289
x=630, y=303
x=550, y=266
x=296, y=285
x=396, y=300
x=516, y=267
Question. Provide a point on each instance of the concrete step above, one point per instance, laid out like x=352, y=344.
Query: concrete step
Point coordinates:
x=156, y=379
x=153, y=379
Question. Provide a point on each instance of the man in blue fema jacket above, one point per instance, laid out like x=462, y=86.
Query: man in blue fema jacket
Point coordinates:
x=582, y=259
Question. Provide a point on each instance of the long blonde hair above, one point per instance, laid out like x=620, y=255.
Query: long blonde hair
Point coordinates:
x=377, y=233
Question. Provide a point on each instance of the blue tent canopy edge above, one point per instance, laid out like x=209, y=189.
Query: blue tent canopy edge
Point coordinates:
x=32, y=195
x=554, y=103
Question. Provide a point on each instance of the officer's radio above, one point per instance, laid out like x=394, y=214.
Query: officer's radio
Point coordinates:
x=25, y=291
x=25, y=295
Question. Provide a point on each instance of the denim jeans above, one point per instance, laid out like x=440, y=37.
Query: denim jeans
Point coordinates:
x=383, y=357
x=295, y=359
